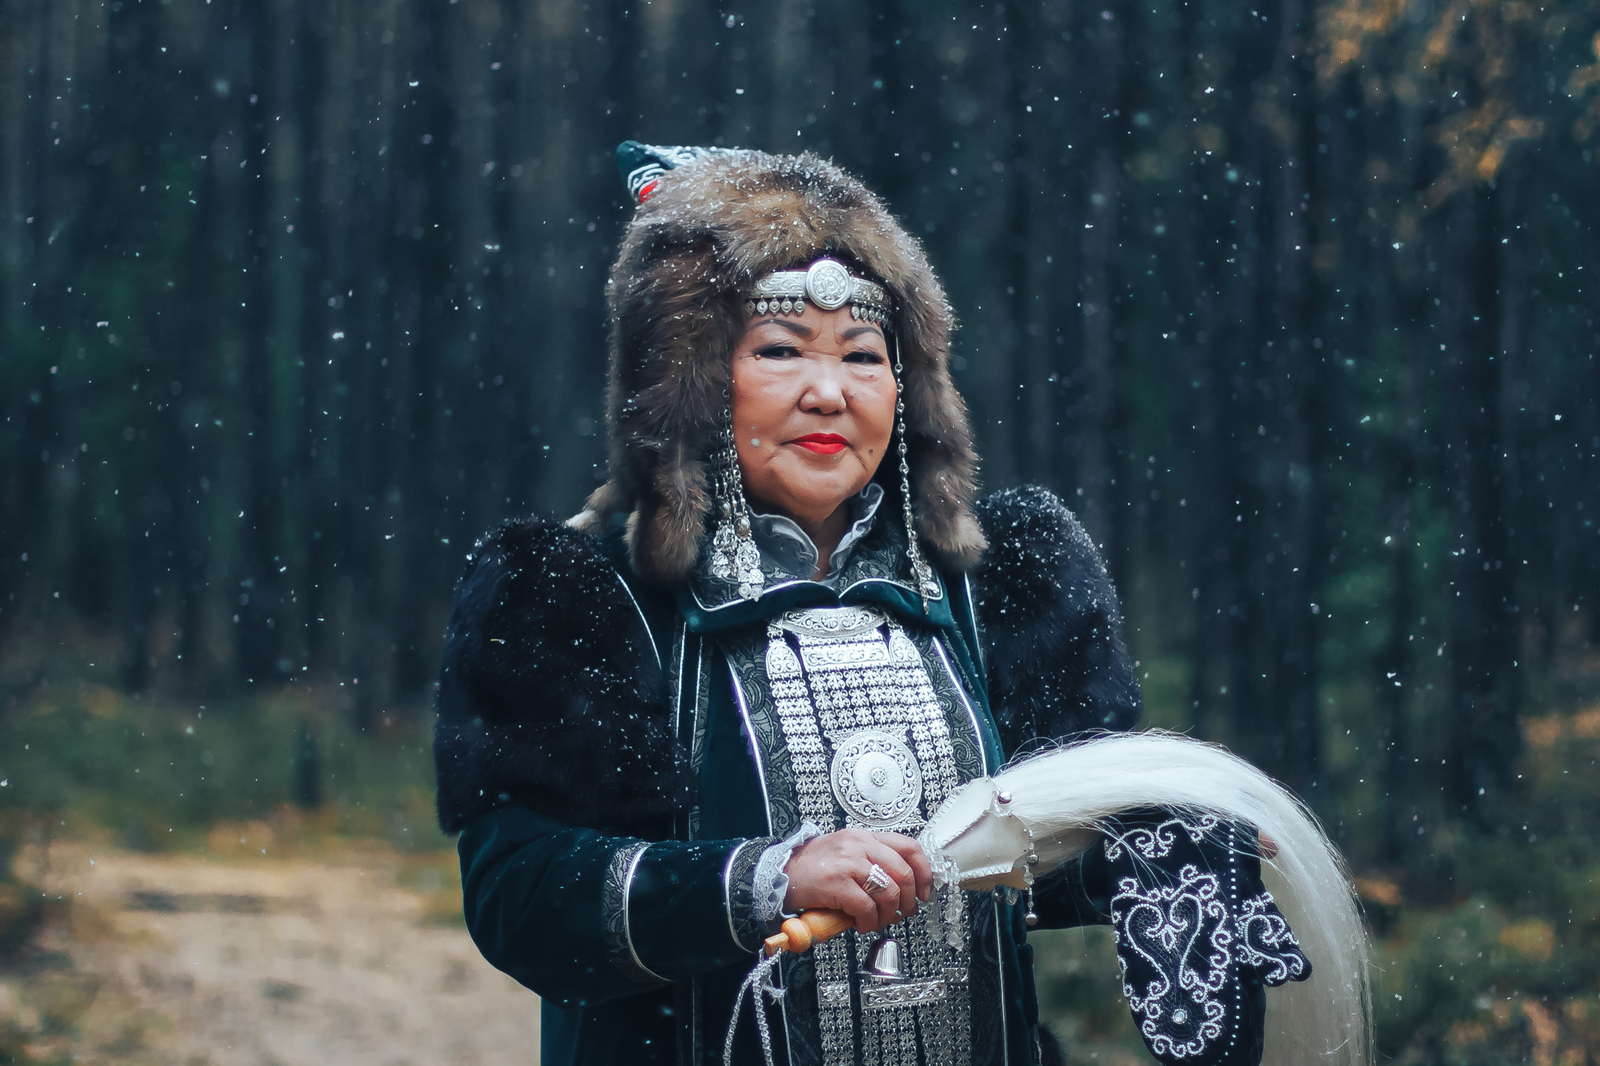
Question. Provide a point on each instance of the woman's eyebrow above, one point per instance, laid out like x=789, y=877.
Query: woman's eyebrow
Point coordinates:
x=793, y=327
x=856, y=331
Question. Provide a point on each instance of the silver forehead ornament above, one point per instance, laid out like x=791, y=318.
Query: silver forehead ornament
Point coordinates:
x=826, y=283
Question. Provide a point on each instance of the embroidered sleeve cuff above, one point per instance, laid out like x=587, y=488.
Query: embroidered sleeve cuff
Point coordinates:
x=738, y=893
x=688, y=907
x=770, y=882
x=616, y=918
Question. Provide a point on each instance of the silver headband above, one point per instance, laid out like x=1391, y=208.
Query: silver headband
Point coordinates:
x=825, y=283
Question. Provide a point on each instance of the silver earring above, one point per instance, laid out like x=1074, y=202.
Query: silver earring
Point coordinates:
x=927, y=584
x=734, y=555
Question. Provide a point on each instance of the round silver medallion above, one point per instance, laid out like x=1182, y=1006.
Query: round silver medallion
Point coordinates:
x=877, y=780
x=828, y=284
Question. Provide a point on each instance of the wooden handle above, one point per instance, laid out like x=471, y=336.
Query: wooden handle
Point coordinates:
x=812, y=927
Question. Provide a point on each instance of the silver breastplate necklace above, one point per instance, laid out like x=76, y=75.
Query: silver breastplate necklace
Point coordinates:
x=871, y=749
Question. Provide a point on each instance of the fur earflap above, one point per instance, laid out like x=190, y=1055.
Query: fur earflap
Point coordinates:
x=550, y=695
x=709, y=230
x=1052, y=629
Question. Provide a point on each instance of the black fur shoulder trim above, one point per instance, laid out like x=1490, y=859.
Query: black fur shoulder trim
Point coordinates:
x=1052, y=630
x=551, y=695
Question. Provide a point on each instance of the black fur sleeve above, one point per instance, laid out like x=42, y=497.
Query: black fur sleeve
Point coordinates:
x=1052, y=630
x=550, y=695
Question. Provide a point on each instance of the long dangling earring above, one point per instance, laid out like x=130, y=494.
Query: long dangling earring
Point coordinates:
x=927, y=584
x=734, y=555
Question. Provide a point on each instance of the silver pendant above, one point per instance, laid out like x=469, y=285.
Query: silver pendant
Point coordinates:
x=722, y=548
x=877, y=780
x=747, y=566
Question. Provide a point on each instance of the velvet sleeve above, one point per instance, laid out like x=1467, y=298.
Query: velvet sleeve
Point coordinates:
x=1077, y=894
x=581, y=917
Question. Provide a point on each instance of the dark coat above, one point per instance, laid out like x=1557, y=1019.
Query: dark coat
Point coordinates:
x=559, y=744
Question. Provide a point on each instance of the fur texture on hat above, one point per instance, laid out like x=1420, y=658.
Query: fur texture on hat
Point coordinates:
x=709, y=230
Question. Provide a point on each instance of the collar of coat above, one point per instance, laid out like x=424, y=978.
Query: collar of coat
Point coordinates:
x=877, y=572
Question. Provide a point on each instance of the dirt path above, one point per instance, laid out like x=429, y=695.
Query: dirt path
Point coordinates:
x=284, y=962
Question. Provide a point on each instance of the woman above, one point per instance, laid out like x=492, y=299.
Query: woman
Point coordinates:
x=773, y=641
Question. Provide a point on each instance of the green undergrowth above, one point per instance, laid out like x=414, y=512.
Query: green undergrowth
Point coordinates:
x=81, y=759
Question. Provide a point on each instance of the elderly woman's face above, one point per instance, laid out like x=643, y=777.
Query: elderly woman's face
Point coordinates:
x=813, y=410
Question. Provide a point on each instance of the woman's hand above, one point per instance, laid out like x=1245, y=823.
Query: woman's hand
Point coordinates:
x=829, y=871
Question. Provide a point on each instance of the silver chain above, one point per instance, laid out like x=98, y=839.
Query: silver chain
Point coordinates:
x=921, y=572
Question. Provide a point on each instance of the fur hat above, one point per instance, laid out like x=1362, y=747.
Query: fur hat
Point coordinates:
x=708, y=231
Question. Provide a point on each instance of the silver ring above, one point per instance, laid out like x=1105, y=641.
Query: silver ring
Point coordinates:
x=877, y=880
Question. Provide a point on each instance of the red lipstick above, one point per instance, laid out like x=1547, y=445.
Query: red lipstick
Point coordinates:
x=822, y=443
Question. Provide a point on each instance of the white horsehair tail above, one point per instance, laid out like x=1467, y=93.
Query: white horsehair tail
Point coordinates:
x=1084, y=785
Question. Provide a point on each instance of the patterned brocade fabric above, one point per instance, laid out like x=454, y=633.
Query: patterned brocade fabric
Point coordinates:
x=614, y=916
x=739, y=891
x=1199, y=938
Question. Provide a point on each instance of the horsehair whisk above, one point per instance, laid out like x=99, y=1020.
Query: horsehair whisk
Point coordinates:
x=1065, y=797
x=1058, y=793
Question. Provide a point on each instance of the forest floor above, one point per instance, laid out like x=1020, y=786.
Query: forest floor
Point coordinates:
x=172, y=958
x=352, y=953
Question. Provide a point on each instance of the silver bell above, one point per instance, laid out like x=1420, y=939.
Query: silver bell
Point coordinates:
x=883, y=961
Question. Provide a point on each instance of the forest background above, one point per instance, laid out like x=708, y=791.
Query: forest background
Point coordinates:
x=1292, y=300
